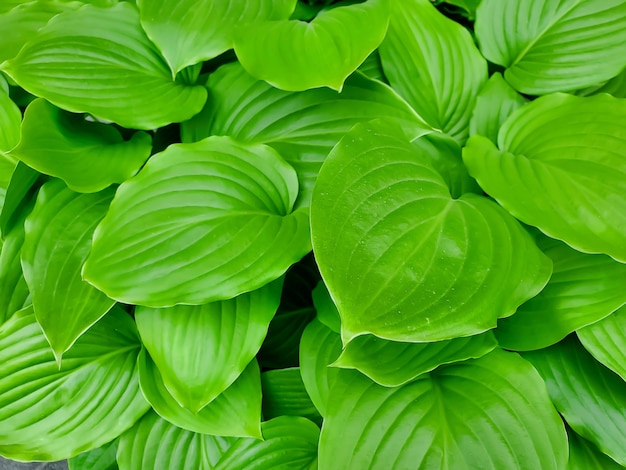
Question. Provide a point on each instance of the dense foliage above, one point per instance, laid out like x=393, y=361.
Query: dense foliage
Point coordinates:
x=298, y=234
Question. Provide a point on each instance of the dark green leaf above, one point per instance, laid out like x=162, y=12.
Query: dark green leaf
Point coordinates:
x=102, y=458
x=583, y=455
x=284, y=394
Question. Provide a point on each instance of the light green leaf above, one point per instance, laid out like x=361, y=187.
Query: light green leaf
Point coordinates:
x=405, y=261
x=606, y=341
x=392, y=363
x=319, y=347
x=561, y=167
x=99, y=61
x=13, y=288
x=494, y=104
x=25, y=20
x=88, y=156
x=553, y=45
x=201, y=222
x=469, y=7
x=302, y=127
x=10, y=119
x=590, y=397
x=225, y=336
x=493, y=412
x=290, y=443
x=615, y=86
x=433, y=63
x=284, y=394
x=372, y=67
x=236, y=412
x=102, y=458
x=327, y=312
x=582, y=290
x=190, y=31
x=583, y=455
x=297, y=55
x=7, y=166
x=56, y=244
x=8, y=5
x=51, y=414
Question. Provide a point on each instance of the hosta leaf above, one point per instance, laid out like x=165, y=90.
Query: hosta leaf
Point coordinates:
x=290, y=443
x=590, y=397
x=553, y=45
x=99, y=61
x=13, y=288
x=615, y=86
x=491, y=412
x=52, y=414
x=373, y=68
x=606, y=341
x=393, y=363
x=236, y=412
x=284, y=394
x=201, y=222
x=494, y=104
x=469, y=6
x=583, y=455
x=319, y=347
x=303, y=127
x=20, y=197
x=561, y=167
x=102, y=458
x=10, y=119
x=25, y=20
x=582, y=290
x=223, y=336
x=7, y=166
x=56, y=244
x=433, y=63
x=297, y=55
x=187, y=38
x=88, y=156
x=327, y=312
x=405, y=261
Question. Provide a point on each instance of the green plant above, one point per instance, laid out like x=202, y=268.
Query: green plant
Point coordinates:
x=456, y=168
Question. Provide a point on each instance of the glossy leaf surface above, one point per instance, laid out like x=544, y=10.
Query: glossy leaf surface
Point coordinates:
x=201, y=222
x=99, y=61
x=553, y=45
x=405, y=261
x=494, y=410
x=560, y=167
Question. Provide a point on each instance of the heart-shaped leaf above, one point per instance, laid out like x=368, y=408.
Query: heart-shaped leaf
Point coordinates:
x=52, y=414
x=102, y=458
x=56, y=244
x=88, y=156
x=494, y=411
x=284, y=394
x=553, y=45
x=433, y=63
x=561, y=167
x=304, y=126
x=224, y=336
x=235, y=412
x=99, y=61
x=297, y=55
x=405, y=261
x=186, y=39
x=201, y=222
x=583, y=289
x=583, y=455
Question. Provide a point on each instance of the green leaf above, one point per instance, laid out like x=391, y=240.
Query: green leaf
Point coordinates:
x=186, y=39
x=615, y=86
x=13, y=289
x=56, y=244
x=319, y=347
x=297, y=55
x=51, y=414
x=405, y=261
x=20, y=197
x=392, y=363
x=327, y=312
x=99, y=61
x=372, y=67
x=236, y=412
x=583, y=455
x=224, y=335
x=606, y=341
x=590, y=397
x=582, y=290
x=553, y=45
x=201, y=222
x=469, y=6
x=433, y=63
x=493, y=411
x=561, y=168
x=25, y=20
x=102, y=458
x=302, y=127
x=290, y=443
x=494, y=104
x=284, y=394
x=10, y=119
x=88, y=156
